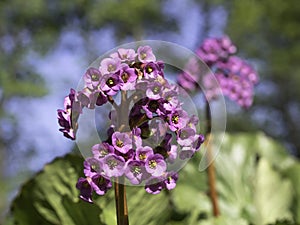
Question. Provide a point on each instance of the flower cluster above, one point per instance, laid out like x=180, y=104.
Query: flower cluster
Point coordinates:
x=235, y=76
x=149, y=130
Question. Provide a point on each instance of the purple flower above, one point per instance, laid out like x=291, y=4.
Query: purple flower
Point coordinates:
x=111, y=84
x=186, y=153
x=85, y=188
x=128, y=77
x=154, y=90
x=142, y=153
x=172, y=154
x=110, y=65
x=171, y=179
x=91, y=167
x=156, y=165
x=68, y=117
x=186, y=136
x=121, y=142
x=145, y=54
x=113, y=165
x=102, y=149
x=154, y=106
x=101, y=98
x=153, y=69
x=125, y=54
x=135, y=171
x=154, y=186
x=92, y=78
x=177, y=120
x=100, y=184
x=136, y=137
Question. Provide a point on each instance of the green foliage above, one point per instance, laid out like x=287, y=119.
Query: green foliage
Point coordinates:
x=257, y=184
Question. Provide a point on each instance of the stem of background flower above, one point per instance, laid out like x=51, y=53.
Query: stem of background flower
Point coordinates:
x=120, y=190
x=211, y=168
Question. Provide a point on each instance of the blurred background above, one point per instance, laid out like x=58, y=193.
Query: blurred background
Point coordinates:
x=46, y=45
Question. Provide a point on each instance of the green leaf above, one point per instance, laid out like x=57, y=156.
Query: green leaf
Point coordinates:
x=252, y=181
x=51, y=197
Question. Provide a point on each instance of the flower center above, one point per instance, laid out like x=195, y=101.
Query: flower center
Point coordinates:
x=110, y=82
x=103, y=152
x=175, y=119
x=142, y=156
x=94, y=77
x=184, y=135
x=152, y=164
x=112, y=163
x=136, y=170
x=119, y=143
x=93, y=168
x=125, y=77
x=111, y=68
x=156, y=90
x=153, y=105
x=149, y=69
x=100, y=180
x=143, y=55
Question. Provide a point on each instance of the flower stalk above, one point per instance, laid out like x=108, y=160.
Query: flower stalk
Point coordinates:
x=121, y=202
x=120, y=189
x=211, y=167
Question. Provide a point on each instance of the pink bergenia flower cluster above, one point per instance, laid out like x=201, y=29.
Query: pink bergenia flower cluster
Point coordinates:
x=149, y=131
x=234, y=75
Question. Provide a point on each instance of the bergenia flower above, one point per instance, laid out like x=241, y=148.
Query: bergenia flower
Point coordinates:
x=159, y=130
x=125, y=55
x=135, y=171
x=85, y=188
x=92, y=78
x=111, y=84
x=110, y=65
x=113, y=165
x=235, y=76
x=156, y=165
x=121, y=142
x=68, y=117
x=100, y=184
x=145, y=54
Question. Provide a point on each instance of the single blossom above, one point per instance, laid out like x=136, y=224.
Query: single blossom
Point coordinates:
x=113, y=165
x=128, y=76
x=121, y=142
x=111, y=84
x=101, y=150
x=85, y=188
x=100, y=184
x=145, y=54
x=155, y=165
x=91, y=167
x=142, y=153
x=92, y=78
x=171, y=179
x=110, y=65
x=135, y=171
x=154, y=185
x=125, y=55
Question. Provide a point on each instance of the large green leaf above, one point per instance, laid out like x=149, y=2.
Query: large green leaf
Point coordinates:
x=51, y=197
x=253, y=179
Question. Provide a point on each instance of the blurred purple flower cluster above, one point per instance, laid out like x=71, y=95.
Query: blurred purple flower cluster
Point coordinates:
x=149, y=130
x=235, y=76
